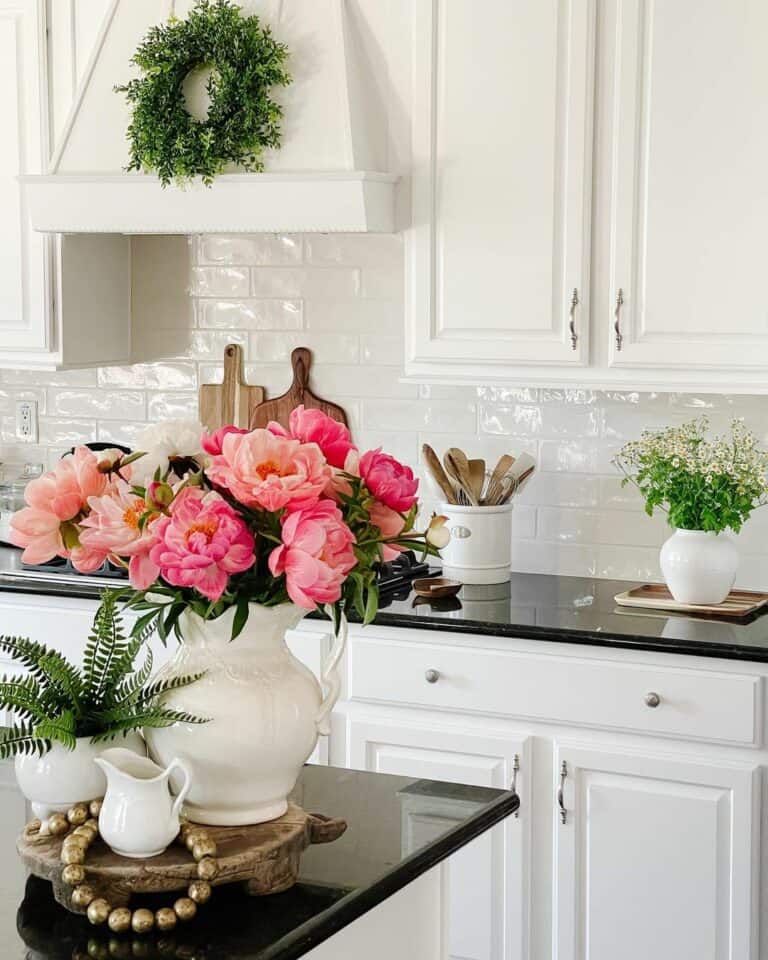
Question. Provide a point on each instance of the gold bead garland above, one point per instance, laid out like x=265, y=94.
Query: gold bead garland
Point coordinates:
x=80, y=824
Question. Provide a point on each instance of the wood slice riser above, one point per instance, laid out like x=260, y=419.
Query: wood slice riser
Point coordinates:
x=264, y=857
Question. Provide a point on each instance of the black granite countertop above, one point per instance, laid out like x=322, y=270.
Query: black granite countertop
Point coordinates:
x=530, y=606
x=340, y=881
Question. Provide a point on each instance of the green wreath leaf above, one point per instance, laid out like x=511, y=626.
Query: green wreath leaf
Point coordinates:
x=243, y=120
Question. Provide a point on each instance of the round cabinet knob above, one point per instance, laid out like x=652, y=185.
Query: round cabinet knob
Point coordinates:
x=652, y=699
x=432, y=676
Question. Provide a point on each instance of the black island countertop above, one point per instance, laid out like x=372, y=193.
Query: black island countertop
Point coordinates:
x=575, y=610
x=340, y=881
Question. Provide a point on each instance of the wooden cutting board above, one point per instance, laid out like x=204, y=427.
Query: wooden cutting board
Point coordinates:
x=656, y=596
x=264, y=857
x=231, y=401
x=297, y=394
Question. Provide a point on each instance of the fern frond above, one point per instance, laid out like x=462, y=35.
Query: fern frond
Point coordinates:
x=62, y=728
x=23, y=696
x=122, y=669
x=165, y=685
x=59, y=681
x=20, y=739
x=128, y=690
x=152, y=717
x=105, y=646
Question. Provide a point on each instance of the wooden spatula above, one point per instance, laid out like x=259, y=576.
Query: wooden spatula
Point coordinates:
x=438, y=473
x=229, y=402
x=477, y=477
x=494, y=489
x=298, y=393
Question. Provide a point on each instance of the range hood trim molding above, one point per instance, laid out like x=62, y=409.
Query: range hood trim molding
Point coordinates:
x=298, y=202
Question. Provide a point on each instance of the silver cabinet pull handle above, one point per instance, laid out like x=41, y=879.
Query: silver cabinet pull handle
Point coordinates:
x=572, y=322
x=652, y=699
x=432, y=676
x=617, y=319
x=513, y=785
x=560, y=797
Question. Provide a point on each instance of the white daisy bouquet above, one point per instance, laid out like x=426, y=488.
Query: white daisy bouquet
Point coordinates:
x=703, y=484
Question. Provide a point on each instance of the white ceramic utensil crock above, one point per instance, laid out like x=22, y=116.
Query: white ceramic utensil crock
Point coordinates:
x=699, y=566
x=266, y=711
x=139, y=818
x=61, y=777
x=480, y=547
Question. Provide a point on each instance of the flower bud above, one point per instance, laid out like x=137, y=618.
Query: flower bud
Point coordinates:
x=438, y=534
x=159, y=494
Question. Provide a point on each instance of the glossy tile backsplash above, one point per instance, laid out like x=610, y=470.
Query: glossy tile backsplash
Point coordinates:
x=342, y=297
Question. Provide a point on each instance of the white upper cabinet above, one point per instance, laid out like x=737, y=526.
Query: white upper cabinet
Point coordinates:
x=657, y=203
x=502, y=119
x=25, y=280
x=689, y=144
x=55, y=309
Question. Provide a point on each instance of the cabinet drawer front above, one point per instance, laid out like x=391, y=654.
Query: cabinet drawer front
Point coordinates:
x=694, y=704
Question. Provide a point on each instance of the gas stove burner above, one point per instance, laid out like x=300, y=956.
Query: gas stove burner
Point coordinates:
x=397, y=574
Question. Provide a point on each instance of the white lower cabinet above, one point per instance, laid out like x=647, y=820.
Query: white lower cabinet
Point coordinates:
x=654, y=856
x=488, y=919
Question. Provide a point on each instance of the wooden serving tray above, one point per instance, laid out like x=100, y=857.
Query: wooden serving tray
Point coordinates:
x=264, y=857
x=738, y=603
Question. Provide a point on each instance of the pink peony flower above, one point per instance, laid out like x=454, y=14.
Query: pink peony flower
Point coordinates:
x=389, y=481
x=211, y=442
x=201, y=543
x=261, y=469
x=316, y=554
x=112, y=529
x=313, y=426
x=47, y=526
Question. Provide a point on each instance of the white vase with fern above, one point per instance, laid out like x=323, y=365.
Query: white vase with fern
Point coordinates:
x=66, y=716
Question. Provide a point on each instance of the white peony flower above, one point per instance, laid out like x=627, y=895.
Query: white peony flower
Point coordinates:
x=160, y=442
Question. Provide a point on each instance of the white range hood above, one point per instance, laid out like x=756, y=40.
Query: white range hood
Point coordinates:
x=327, y=177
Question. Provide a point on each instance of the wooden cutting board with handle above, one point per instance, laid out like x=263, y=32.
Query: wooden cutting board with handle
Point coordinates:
x=297, y=394
x=231, y=401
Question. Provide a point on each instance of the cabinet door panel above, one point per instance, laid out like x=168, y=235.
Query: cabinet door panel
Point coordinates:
x=488, y=878
x=655, y=858
x=690, y=194
x=502, y=127
x=25, y=317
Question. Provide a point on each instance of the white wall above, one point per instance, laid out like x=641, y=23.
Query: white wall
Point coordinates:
x=342, y=297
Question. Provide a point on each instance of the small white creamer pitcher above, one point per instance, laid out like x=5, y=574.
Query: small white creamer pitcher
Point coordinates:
x=139, y=818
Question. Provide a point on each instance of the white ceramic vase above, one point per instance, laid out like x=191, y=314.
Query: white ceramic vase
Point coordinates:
x=61, y=777
x=698, y=566
x=266, y=711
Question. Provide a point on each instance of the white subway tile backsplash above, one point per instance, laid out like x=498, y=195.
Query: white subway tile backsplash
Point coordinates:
x=250, y=314
x=60, y=432
x=267, y=249
x=382, y=350
x=106, y=404
x=355, y=316
x=323, y=283
x=220, y=281
x=172, y=406
x=445, y=417
x=342, y=296
x=325, y=347
x=373, y=250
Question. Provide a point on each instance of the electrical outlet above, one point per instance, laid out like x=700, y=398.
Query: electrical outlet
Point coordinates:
x=26, y=420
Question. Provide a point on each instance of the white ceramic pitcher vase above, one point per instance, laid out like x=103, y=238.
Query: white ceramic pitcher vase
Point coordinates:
x=139, y=818
x=266, y=711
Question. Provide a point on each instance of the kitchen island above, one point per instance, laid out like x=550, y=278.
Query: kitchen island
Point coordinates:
x=377, y=891
x=636, y=740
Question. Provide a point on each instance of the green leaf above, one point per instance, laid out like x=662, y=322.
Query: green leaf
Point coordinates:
x=20, y=740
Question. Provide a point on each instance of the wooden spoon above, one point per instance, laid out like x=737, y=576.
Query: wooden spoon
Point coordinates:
x=438, y=473
x=457, y=467
x=493, y=490
x=477, y=478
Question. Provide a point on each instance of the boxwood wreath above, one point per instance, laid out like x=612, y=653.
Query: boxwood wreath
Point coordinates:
x=245, y=63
